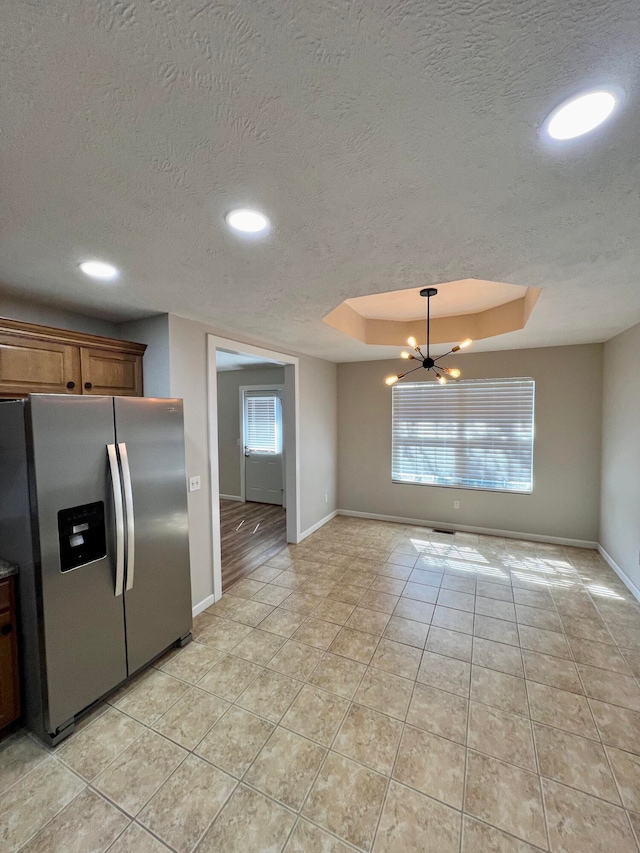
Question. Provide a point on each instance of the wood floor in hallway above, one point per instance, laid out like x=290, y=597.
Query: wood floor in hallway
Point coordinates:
x=250, y=534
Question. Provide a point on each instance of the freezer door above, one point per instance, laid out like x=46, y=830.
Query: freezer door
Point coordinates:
x=82, y=617
x=150, y=437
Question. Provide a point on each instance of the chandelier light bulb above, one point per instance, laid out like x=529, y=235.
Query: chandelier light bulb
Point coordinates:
x=430, y=364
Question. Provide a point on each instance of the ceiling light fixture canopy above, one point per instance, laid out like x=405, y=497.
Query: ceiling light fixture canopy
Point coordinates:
x=100, y=270
x=581, y=114
x=429, y=364
x=247, y=221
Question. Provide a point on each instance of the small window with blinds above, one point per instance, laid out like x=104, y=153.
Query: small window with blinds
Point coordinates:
x=474, y=434
x=262, y=423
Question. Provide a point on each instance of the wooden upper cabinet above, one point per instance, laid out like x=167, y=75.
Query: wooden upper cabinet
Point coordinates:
x=105, y=372
x=43, y=360
x=38, y=367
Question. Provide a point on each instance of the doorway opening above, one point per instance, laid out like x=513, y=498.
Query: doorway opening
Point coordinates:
x=254, y=459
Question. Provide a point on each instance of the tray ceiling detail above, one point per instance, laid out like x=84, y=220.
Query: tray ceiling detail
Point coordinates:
x=468, y=308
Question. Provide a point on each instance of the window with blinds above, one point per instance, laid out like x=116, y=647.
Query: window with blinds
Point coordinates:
x=262, y=423
x=474, y=434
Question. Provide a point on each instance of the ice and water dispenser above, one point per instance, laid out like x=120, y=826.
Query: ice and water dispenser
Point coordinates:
x=82, y=535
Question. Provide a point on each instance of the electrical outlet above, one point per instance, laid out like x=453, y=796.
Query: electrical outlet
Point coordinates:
x=326, y=499
x=639, y=556
x=456, y=504
x=194, y=484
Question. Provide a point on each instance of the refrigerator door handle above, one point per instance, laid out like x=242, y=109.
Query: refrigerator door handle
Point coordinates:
x=117, y=504
x=128, y=502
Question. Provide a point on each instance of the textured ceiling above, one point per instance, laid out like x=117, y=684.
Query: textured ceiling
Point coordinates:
x=393, y=143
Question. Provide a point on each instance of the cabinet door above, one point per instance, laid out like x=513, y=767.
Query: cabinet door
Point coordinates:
x=116, y=374
x=37, y=367
x=9, y=681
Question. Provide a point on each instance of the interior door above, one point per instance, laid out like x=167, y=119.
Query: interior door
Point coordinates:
x=82, y=617
x=262, y=421
x=158, y=585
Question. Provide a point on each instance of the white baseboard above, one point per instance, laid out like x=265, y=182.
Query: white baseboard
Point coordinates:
x=465, y=528
x=318, y=525
x=231, y=498
x=202, y=605
x=624, y=577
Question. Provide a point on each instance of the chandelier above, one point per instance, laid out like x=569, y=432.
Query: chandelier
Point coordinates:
x=426, y=362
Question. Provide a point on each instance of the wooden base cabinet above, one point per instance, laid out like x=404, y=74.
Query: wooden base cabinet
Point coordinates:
x=9, y=677
x=43, y=360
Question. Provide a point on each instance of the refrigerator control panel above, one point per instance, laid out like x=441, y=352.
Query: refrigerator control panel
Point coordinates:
x=81, y=535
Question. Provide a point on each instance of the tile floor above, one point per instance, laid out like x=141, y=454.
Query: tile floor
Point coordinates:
x=378, y=687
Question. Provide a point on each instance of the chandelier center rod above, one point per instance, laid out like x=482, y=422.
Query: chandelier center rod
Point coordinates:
x=428, y=292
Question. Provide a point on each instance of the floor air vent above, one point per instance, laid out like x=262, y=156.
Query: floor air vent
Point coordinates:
x=449, y=532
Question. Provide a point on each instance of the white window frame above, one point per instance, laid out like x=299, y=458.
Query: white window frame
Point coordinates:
x=249, y=393
x=435, y=388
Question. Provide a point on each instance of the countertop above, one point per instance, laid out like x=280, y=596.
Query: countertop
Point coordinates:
x=7, y=569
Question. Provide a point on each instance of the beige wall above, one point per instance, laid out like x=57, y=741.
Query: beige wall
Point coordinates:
x=565, y=500
x=229, y=428
x=48, y=315
x=620, y=492
x=154, y=332
x=317, y=438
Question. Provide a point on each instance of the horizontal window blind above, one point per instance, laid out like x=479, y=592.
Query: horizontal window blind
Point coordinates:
x=262, y=431
x=475, y=434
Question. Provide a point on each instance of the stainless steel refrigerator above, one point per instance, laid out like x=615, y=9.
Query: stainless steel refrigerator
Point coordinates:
x=93, y=508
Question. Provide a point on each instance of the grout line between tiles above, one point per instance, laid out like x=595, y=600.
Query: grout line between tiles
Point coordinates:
x=466, y=756
x=540, y=786
x=154, y=835
x=516, y=839
x=118, y=837
x=53, y=817
x=391, y=772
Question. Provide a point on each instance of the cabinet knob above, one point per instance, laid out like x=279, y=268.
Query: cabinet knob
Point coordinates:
x=6, y=629
x=88, y=386
x=71, y=385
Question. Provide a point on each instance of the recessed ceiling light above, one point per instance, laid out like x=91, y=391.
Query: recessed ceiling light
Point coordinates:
x=581, y=114
x=99, y=270
x=247, y=221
